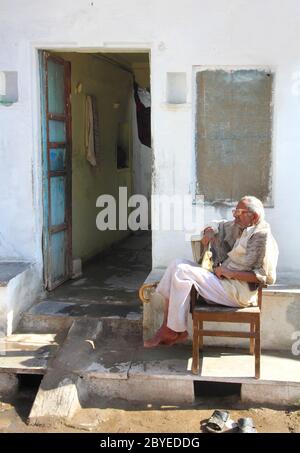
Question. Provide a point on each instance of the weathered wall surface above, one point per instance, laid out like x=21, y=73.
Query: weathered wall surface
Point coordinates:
x=199, y=33
x=234, y=134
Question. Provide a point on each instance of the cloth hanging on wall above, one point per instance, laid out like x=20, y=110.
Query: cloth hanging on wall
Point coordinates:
x=143, y=116
x=145, y=97
x=92, y=135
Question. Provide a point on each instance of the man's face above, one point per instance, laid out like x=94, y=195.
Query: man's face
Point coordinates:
x=242, y=216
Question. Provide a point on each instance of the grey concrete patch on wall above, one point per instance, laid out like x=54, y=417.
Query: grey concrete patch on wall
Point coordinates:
x=234, y=133
x=278, y=394
x=138, y=389
x=293, y=314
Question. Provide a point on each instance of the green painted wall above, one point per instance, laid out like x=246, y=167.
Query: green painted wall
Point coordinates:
x=111, y=86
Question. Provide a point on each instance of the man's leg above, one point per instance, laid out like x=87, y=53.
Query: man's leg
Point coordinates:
x=165, y=335
x=176, y=283
x=206, y=283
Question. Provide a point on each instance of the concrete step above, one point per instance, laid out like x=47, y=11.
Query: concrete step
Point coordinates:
x=98, y=346
x=28, y=352
x=53, y=316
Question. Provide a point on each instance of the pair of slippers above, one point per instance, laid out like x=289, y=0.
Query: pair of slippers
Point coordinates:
x=220, y=421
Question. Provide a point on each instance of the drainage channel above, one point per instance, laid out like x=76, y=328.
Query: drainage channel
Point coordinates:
x=16, y=405
x=216, y=389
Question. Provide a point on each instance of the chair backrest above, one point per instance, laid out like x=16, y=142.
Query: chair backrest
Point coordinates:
x=195, y=244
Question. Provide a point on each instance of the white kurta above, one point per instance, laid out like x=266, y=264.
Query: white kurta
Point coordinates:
x=176, y=285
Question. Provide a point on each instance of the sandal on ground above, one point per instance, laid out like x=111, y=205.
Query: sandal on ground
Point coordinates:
x=246, y=425
x=216, y=421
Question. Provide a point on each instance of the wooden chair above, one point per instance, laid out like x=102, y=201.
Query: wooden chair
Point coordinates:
x=219, y=313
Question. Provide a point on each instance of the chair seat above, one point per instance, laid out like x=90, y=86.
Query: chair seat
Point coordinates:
x=222, y=309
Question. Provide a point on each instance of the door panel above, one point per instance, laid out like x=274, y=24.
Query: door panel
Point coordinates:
x=57, y=131
x=56, y=83
x=56, y=140
x=57, y=159
x=58, y=255
x=58, y=194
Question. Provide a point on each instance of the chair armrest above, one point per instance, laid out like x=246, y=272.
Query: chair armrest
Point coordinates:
x=193, y=299
x=146, y=290
x=259, y=295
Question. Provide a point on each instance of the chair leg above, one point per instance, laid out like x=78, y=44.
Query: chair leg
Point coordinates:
x=200, y=340
x=252, y=340
x=257, y=348
x=195, y=360
x=200, y=325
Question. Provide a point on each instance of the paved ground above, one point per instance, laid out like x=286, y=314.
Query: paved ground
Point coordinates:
x=109, y=285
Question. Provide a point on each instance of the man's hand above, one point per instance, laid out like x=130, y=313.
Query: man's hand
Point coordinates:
x=222, y=272
x=208, y=236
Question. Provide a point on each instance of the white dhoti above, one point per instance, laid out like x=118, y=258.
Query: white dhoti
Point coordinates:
x=176, y=285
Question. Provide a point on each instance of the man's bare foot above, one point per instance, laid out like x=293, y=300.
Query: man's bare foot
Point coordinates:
x=163, y=336
x=181, y=337
x=154, y=341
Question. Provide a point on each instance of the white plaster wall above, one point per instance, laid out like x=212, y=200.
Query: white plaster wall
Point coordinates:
x=22, y=292
x=19, y=294
x=180, y=36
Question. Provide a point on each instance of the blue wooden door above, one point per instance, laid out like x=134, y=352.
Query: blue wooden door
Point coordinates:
x=56, y=141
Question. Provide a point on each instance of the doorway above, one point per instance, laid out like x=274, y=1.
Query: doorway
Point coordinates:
x=121, y=155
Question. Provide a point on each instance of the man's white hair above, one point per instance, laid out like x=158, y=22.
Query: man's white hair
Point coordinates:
x=254, y=205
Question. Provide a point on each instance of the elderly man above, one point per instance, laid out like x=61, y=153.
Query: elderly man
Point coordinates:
x=244, y=254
